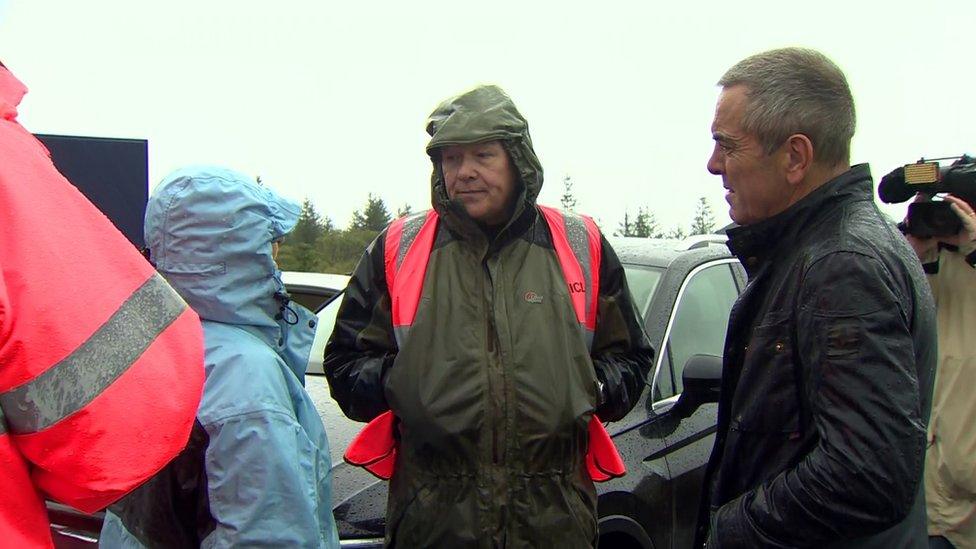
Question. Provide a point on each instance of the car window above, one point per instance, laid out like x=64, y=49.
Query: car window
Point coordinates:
x=327, y=316
x=311, y=299
x=642, y=282
x=700, y=319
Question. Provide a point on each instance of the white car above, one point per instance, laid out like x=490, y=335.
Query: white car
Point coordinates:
x=321, y=294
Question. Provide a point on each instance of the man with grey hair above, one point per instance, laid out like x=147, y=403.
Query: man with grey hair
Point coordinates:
x=830, y=355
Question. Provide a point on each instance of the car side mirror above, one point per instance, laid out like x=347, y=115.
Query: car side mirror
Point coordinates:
x=702, y=382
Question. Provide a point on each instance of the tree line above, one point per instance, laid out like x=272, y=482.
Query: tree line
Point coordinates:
x=317, y=245
x=644, y=224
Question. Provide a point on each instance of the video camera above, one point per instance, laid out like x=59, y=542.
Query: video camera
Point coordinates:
x=932, y=218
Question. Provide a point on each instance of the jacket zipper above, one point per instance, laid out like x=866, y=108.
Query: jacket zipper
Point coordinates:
x=490, y=336
x=491, y=332
x=494, y=421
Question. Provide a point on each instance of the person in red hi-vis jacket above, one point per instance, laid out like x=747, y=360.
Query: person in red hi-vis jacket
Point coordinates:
x=485, y=340
x=101, y=362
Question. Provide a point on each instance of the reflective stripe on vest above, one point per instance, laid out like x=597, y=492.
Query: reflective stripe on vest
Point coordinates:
x=72, y=383
x=407, y=250
x=575, y=239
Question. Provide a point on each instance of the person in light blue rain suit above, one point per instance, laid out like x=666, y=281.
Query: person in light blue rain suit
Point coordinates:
x=257, y=469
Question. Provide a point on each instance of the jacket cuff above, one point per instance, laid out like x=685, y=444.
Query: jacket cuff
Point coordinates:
x=968, y=251
x=711, y=542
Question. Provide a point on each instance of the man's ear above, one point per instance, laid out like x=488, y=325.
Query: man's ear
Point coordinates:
x=799, y=157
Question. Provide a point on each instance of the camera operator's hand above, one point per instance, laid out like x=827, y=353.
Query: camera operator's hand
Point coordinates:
x=922, y=246
x=967, y=235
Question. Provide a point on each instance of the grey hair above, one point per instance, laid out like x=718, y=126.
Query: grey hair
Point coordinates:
x=796, y=90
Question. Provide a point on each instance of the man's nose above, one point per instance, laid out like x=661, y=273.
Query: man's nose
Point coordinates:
x=714, y=164
x=466, y=168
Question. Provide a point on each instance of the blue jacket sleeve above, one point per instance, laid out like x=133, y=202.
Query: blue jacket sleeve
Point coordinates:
x=268, y=469
x=261, y=478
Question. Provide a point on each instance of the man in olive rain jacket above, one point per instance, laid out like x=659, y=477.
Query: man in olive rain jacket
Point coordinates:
x=494, y=383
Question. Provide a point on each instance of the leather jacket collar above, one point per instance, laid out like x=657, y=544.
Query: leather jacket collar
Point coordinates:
x=759, y=243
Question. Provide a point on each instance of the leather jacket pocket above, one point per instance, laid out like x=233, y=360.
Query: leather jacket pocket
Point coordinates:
x=766, y=398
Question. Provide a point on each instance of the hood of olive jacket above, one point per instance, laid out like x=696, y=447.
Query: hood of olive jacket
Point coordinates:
x=485, y=113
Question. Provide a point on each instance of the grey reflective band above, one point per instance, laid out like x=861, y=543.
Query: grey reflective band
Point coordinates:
x=71, y=384
x=401, y=333
x=587, y=336
x=3, y=423
x=411, y=228
x=579, y=241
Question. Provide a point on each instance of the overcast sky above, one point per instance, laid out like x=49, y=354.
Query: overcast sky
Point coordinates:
x=327, y=100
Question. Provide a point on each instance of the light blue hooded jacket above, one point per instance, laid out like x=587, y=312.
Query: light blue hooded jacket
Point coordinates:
x=267, y=466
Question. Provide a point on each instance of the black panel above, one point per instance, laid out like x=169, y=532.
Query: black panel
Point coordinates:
x=112, y=173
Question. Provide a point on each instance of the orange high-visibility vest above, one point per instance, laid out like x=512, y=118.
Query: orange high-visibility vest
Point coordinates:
x=101, y=362
x=407, y=251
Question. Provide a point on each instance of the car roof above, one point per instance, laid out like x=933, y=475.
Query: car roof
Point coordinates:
x=334, y=282
x=662, y=252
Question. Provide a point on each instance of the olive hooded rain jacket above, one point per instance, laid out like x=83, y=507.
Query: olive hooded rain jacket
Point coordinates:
x=493, y=390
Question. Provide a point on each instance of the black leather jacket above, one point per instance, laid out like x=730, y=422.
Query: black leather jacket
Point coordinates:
x=827, y=383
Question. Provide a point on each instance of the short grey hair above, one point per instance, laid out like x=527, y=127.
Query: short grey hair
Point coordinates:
x=796, y=90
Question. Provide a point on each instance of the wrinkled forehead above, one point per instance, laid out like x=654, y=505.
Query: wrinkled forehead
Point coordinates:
x=730, y=109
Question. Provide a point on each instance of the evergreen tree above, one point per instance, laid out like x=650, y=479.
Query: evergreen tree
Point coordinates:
x=298, y=250
x=340, y=251
x=310, y=225
x=704, y=221
x=404, y=211
x=568, y=200
x=675, y=232
x=653, y=229
x=373, y=217
x=645, y=225
x=626, y=227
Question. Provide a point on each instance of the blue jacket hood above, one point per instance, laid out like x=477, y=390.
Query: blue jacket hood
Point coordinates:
x=209, y=231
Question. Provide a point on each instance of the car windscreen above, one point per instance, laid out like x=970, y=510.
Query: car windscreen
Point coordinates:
x=642, y=282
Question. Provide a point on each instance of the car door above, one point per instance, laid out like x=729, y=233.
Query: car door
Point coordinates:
x=698, y=325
